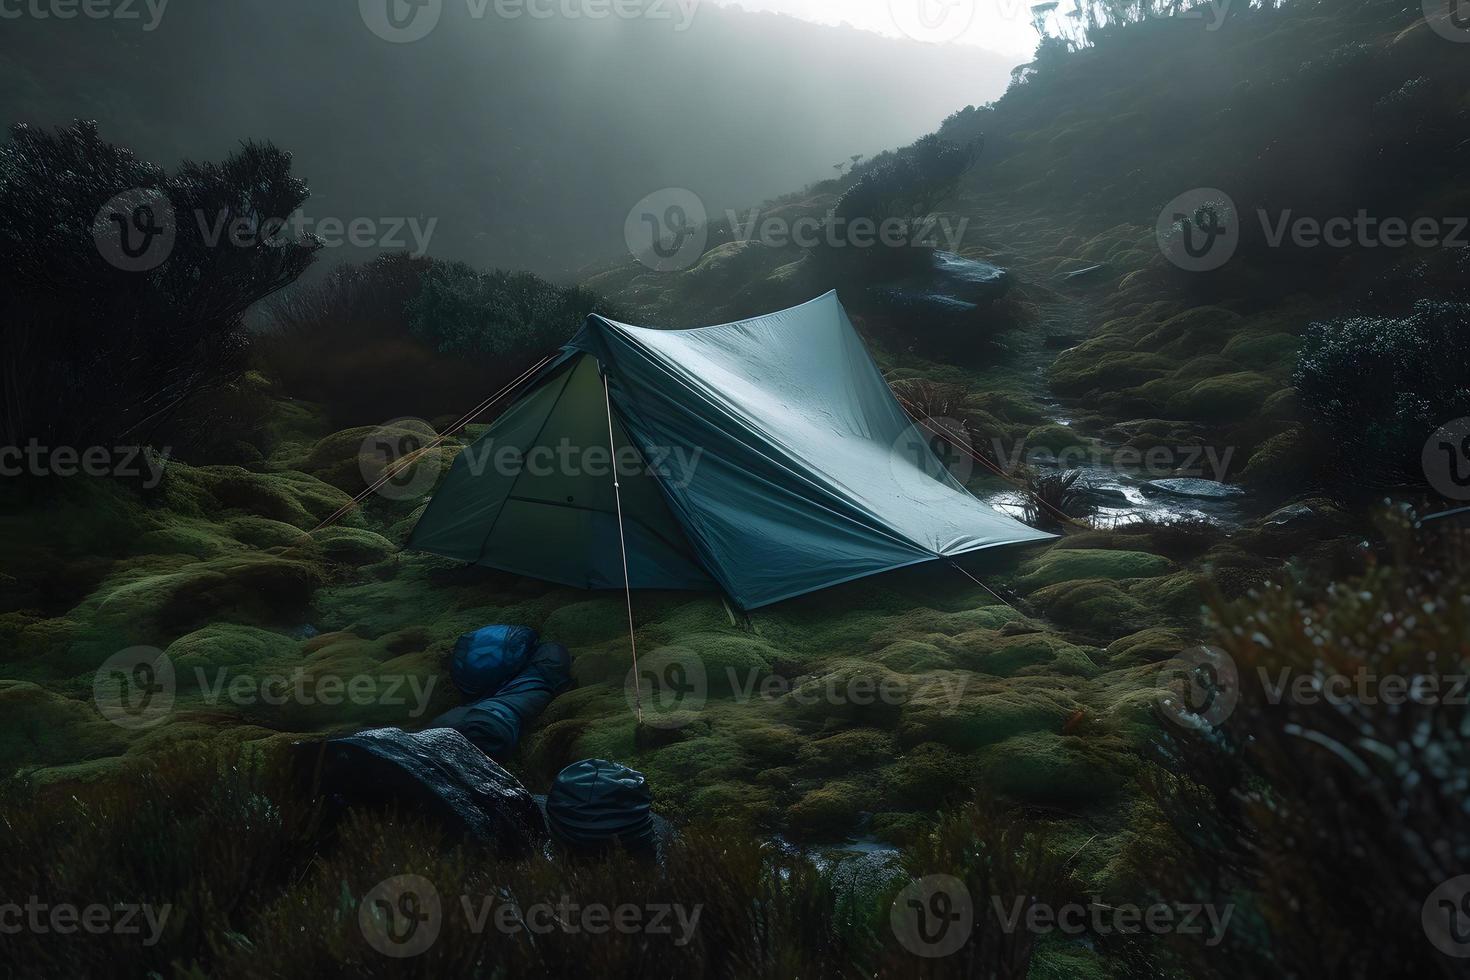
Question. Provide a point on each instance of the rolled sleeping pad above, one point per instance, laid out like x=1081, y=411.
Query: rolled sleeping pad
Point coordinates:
x=494, y=724
x=483, y=661
x=596, y=805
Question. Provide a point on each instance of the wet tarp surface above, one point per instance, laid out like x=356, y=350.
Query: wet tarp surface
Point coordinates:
x=773, y=460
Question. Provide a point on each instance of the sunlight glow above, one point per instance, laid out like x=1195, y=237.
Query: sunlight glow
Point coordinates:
x=997, y=25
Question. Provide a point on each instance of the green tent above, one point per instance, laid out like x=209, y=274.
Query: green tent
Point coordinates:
x=766, y=458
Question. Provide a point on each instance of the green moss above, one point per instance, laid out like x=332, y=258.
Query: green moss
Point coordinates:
x=1066, y=565
x=1033, y=653
x=1175, y=596
x=1286, y=462
x=1086, y=367
x=181, y=539
x=353, y=546
x=39, y=727
x=1264, y=352
x=985, y=711
x=1225, y=398
x=908, y=656
x=1050, y=769
x=157, y=602
x=223, y=645
x=926, y=777
x=1148, y=646
x=852, y=749
x=1055, y=438
x=825, y=813
x=1095, y=606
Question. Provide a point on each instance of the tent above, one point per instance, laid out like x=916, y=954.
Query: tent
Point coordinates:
x=766, y=458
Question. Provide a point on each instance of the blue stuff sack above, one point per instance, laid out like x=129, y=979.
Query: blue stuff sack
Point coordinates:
x=595, y=805
x=486, y=659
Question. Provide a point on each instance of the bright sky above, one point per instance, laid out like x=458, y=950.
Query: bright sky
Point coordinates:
x=999, y=25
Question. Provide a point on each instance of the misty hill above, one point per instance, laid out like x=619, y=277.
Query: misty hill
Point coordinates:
x=529, y=140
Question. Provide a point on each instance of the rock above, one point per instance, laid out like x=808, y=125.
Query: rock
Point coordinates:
x=1105, y=494
x=972, y=279
x=1290, y=514
x=1195, y=488
x=912, y=302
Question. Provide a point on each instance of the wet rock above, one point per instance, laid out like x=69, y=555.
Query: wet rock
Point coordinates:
x=972, y=279
x=930, y=305
x=1195, y=488
x=1291, y=514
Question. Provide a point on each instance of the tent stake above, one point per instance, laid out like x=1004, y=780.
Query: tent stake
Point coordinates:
x=623, y=543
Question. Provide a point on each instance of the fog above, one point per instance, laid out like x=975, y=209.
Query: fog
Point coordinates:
x=511, y=141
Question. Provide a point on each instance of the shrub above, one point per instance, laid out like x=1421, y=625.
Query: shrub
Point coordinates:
x=1339, y=816
x=404, y=336
x=1378, y=386
x=98, y=349
x=1054, y=498
x=905, y=186
x=496, y=314
x=260, y=878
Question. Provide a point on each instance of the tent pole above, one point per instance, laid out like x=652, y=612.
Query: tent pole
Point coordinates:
x=623, y=544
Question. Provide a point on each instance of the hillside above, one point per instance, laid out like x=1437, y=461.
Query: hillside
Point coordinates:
x=526, y=140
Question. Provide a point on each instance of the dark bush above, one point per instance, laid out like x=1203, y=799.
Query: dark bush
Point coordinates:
x=404, y=336
x=249, y=874
x=1331, y=816
x=908, y=184
x=496, y=314
x=1379, y=386
x=105, y=330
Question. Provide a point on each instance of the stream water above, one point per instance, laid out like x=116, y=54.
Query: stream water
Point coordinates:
x=1118, y=494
